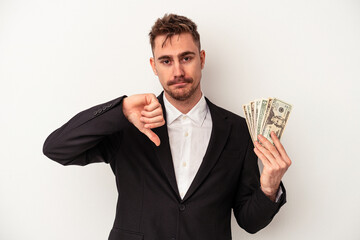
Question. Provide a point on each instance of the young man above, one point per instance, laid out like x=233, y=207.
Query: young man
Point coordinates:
x=181, y=163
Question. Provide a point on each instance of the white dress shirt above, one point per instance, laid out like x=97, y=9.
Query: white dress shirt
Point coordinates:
x=189, y=136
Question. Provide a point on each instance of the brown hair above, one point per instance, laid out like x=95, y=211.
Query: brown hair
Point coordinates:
x=172, y=24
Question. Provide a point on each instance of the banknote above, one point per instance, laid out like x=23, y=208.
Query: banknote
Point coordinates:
x=247, y=117
x=277, y=118
x=256, y=112
x=267, y=110
x=261, y=115
x=264, y=116
x=251, y=118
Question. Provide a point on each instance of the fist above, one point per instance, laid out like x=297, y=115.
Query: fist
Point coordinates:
x=145, y=112
x=275, y=161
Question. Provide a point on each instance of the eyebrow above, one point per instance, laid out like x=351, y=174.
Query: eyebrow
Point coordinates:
x=180, y=55
x=186, y=53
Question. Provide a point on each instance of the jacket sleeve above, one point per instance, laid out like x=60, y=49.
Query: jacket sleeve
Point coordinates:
x=253, y=210
x=90, y=136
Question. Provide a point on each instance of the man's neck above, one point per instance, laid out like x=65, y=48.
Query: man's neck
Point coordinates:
x=186, y=105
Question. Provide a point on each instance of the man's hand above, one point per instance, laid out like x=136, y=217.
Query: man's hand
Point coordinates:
x=145, y=112
x=275, y=161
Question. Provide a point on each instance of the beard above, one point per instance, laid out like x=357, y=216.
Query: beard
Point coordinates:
x=181, y=93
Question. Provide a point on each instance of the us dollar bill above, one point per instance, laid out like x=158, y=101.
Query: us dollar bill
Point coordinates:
x=251, y=112
x=261, y=115
x=267, y=111
x=247, y=118
x=256, y=112
x=266, y=115
x=276, y=118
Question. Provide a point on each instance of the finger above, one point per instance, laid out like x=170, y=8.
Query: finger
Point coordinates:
x=152, y=106
x=262, y=157
x=270, y=147
x=152, y=120
x=152, y=103
x=154, y=125
x=156, y=112
x=152, y=136
x=260, y=149
x=149, y=98
x=280, y=148
x=264, y=151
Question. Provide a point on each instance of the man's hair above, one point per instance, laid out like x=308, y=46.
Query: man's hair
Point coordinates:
x=172, y=24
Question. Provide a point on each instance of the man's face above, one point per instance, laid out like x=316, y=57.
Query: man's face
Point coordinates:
x=277, y=121
x=178, y=64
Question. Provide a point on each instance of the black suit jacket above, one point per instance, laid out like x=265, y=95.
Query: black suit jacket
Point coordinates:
x=149, y=206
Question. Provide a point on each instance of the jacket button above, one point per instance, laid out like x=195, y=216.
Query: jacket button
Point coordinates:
x=182, y=207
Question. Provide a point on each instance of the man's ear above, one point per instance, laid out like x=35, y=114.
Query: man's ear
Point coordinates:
x=152, y=63
x=202, y=58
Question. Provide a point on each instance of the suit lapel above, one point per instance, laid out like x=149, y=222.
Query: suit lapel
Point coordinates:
x=163, y=151
x=219, y=134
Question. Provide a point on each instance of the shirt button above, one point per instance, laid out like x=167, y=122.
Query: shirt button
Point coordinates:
x=184, y=117
x=186, y=134
x=182, y=207
x=184, y=164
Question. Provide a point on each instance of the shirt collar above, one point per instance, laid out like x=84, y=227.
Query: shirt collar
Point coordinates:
x=197, y=114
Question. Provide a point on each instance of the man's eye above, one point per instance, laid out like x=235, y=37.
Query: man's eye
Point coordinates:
x=186, y=59
x=166, y=62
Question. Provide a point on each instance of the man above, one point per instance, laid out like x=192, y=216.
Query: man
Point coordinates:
x=181, y=163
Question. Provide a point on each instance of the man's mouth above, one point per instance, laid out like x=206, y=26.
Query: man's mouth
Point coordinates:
x=180, y=82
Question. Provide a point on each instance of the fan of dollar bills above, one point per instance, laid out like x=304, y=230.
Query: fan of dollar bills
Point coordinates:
x=266, y=115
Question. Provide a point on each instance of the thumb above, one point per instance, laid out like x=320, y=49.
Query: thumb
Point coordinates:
x=152, y=136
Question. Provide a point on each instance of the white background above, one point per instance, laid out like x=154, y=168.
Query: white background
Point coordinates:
x=60, y=57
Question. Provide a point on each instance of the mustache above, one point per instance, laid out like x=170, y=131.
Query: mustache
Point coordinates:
x=180, y=80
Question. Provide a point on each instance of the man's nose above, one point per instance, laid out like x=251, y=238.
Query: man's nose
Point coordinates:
x=178, y=70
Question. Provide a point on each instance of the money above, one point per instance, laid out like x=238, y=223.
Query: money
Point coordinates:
x=264, y=116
